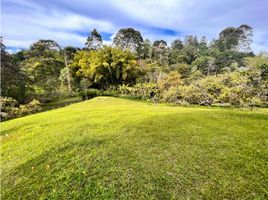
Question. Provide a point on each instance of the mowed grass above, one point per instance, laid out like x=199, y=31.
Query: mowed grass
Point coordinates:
x=111, y=148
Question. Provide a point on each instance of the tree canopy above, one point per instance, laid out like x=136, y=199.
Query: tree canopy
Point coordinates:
x=192, y=70
x=128, y=39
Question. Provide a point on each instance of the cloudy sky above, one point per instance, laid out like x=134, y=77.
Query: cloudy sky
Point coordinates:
x=69, y=22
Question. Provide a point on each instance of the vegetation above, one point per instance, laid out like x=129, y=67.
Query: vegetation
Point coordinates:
x=111, y=148
x=224, y=71
x=10, y=108
x=106, y=67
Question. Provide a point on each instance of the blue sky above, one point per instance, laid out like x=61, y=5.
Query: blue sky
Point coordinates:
x=69, y=22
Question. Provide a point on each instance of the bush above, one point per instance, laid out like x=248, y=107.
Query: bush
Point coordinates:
x=113, y=93
x=34, y=106
x=172, y=95
x=146, y=91
x=89, y=93
x=11, y=109
x=193, y=94
x=7, y=103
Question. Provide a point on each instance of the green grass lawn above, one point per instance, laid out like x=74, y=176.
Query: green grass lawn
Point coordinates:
x=112, y=148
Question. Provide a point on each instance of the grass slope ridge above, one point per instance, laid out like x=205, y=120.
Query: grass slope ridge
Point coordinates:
x=111, y=148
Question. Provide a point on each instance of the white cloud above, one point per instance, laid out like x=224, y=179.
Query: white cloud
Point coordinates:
x=28, y=20
x=23, y=28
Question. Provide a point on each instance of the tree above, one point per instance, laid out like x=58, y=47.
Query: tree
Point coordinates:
x=14, y=83
x=44, y=74
x=107, y=67
x=65, y=75
x=191, y=40
x=203, y=47
x=190, y=49
x=235, y=39
x=189, y=54
x=160, y=51
x=177, y=44
x=205, y=64
x=160, y=43
x=94, y=40
x=42, y=66
x=128, y=39
x=145, y=50
x=43, y=48
x=228, y=61
x=245, y=39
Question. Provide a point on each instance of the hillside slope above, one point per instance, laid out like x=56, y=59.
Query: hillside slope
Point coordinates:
x=111, y=148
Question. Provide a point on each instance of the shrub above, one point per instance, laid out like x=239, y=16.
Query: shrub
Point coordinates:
x=89, y=93
x=195, y=95
x=146, y=91
x=172, y=95
x=172, y=79
x=240, y=89
x=34, y=106
x=7, y=103
x=109, y=93
x=11, y=109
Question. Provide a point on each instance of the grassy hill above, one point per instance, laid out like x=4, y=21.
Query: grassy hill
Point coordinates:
x=111, y=148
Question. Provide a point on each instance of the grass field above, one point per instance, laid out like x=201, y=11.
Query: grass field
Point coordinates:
x=111, y=148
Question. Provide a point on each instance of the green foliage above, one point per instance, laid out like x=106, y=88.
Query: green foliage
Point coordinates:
x=145, y=91
x=92, y=92
x=44, y=73
x=10, y=108
x=89, y=93
x=7, y=103
x=235, y=39
x=128, y=39
x=160, y=52
x=205, y=64
x=43, y=48
x=225, y=71
x=144, y=51
x=235, y=89
x=42, y=65
x=173, y=79
x=94, y=40
x=177, y=44
x=14, y=82
x=107, y=67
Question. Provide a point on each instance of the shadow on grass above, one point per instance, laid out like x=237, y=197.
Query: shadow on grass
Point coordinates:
x=162, y=157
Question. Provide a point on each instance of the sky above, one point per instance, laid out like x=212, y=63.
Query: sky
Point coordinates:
x=69, y=21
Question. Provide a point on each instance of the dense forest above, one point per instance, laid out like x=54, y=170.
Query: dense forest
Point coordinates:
x=223, y=71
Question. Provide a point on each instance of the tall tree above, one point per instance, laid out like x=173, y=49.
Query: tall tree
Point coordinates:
x=203, y=46
x=94, y=40
x=13, y=81
x=160, y=51
x=235, y=39
x=42, y=65
x=245, y=40
x=128, y=38
x=145, y=49
x=43, y=48
x=108, y=66
x=68, y=56
x=177, y=44
x=190, y=49
x=191, y=40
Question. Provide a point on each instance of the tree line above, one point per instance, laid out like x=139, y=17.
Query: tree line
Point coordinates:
x=189, y=71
